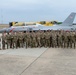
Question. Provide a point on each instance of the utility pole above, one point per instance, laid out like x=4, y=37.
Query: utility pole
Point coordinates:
x=1, y=16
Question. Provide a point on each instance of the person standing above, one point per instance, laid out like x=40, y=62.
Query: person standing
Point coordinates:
x=3, y=40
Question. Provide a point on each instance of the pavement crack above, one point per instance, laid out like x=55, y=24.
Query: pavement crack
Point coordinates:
x=33, y=62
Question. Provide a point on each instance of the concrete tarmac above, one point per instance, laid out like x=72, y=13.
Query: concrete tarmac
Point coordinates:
x=38, y=61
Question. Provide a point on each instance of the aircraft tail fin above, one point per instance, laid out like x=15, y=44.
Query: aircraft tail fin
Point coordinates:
x=69, y=20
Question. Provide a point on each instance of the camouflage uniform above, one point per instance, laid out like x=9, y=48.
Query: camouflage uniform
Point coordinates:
x=20, y=37
x=8, y=37
x=15, y=40
x=51, y=42
x=42, y=38
x=62, y=39
x=33, y=39
x=11, y=39
x=24, y=39
x=65, y=39
x=59, y=40
x=54, y=43
x=73, y=39
x=48, y=38
x=1, y=43
x=38, y=39
x=3, y=40
x=69, y=40
x=28, y=39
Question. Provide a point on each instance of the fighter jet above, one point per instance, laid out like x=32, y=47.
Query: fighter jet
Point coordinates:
x=67, y=24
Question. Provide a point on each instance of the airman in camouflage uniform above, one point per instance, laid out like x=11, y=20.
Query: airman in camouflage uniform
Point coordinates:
x=33, y=39
x=3, y=40
x=48, y=38
x=65, y=39
x=73, y=39
x=54, y=42
x=25, y=38
x=60, y=39
x=51, y=42
x=28, y=39
x=38, y=38
x=56, y=32
x=20, y=37
x=42, y=38
x=15, y=40
x=8, y=37
x=11, y=38
x=69, y=41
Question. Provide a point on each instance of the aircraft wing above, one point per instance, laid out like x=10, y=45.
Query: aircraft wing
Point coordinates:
x=4, y=29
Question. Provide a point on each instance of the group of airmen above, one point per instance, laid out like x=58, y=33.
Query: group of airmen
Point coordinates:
x=34, y=39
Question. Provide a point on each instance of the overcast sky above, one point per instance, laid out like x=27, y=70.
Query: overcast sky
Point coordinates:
x=35, y=10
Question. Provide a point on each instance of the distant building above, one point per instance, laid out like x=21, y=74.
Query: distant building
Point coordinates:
x=4, y=26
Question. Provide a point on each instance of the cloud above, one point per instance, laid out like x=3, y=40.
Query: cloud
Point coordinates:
x=33, y=10
x=17, y=3
x=37, y=4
